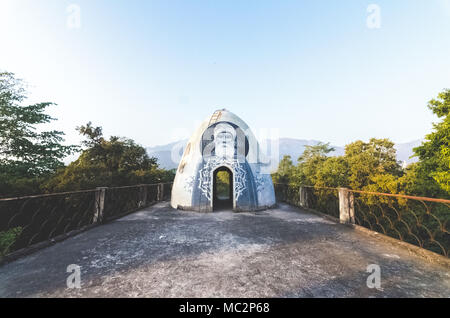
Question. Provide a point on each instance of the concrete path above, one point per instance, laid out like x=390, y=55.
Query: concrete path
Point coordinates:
x=284, y=252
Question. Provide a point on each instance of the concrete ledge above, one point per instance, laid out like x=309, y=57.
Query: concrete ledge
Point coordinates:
x=413, y=249
x=417, y=250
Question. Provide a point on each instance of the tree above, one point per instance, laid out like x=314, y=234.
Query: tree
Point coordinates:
x=284, y=171
x=223, y=184
x=333, y=172
x=25, y=153
x=310, y=162
x=321, y=150
x=367, y=160
x=113, y=162
x=94, y=135
x=434, y=153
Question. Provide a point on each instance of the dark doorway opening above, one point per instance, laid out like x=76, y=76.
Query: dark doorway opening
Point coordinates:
x=223, y=189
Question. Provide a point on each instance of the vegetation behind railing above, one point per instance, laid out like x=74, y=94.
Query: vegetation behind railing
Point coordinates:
x=25, y=221
x=325, y=200
x=421, y=221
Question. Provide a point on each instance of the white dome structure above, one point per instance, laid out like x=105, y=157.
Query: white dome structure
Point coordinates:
x=223, y=143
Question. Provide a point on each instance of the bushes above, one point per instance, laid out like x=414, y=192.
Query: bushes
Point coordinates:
x=7, y=239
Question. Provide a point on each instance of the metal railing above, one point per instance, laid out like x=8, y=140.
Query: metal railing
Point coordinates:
x=424, y=222
x=325, y=200
x=26, y=221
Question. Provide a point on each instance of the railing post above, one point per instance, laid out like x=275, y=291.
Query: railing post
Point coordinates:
x=99, y=204
x=142, y=196
x=346, y=206
x=303, y=196
x=160, y=195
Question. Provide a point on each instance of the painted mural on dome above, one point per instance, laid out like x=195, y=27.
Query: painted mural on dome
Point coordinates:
x=223, y=141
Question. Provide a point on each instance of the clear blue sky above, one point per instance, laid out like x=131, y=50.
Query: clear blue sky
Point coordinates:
x=152, y=70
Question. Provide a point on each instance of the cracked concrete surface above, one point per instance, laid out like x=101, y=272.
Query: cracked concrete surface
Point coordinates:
x=283, y=252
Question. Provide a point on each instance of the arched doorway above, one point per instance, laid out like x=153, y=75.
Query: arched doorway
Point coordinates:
x=223, y=189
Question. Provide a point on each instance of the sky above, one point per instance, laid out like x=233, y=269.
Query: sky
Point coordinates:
x=153, y=70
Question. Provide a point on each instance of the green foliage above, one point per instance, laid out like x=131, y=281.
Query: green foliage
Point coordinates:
x=366, y=161
x=313, y=152
x=334, y=172
x=26, y=155
x=310, y=163
x=224, y=177
x=24, y=152
x=372, y=166
x=7, y=239
x=362, y=165
x=31, y=160
x=113, y=162
x=223, y=184
x=434, y=153
x=285, y=171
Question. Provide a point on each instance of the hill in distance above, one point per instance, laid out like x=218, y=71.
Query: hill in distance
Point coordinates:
x=287, y=146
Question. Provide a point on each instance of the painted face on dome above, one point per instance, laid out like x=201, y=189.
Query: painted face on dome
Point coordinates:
x=224, y=139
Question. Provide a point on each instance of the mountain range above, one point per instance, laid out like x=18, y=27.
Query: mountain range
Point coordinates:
x=287, y=146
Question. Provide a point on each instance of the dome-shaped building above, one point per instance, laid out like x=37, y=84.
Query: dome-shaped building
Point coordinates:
x=223, y=167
